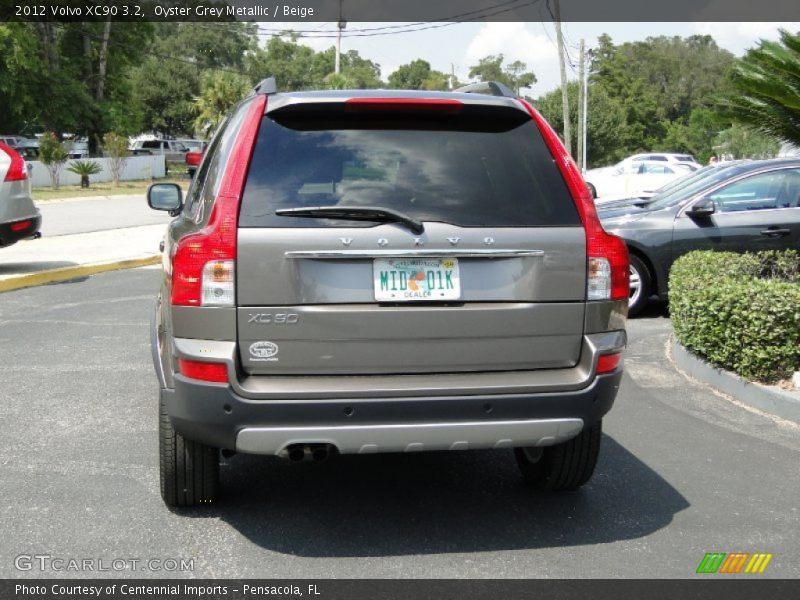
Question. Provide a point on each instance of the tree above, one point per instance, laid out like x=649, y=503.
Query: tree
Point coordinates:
x=84, y=168
x=740, y=141
x=606, y=118
x=418, y=75
x=164, y=96
x=295, y=67
x=361, y=72
x=695, y=135
x=82, y=69
x=115, y=149
x=53, y=156
x=515, y=76
x=663, y=89
x=221, y=90
x=766, y=89
x=209, y=45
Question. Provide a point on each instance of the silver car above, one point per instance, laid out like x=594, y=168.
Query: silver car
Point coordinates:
x=385, y=271
x=19, y=218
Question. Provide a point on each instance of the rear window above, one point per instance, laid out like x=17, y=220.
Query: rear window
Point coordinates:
x=480, y=168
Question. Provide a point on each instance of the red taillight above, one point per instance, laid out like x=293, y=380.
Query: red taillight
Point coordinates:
x=608, y=362
x=217, y=240
x=599, y=243
x=20, y=225
x=412, y=105
x=16, y=171
x=205, y=371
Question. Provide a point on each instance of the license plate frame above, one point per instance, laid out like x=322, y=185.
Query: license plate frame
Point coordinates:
x=424, y=279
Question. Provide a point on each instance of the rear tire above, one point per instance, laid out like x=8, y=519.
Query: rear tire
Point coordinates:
x=565, y=466
x=189, y=470
x=641, y=285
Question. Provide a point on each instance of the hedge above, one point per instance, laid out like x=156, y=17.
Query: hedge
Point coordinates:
x=740, y=312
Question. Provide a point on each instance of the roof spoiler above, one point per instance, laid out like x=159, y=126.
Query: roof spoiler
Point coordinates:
x=268, y=86
x=491, y=88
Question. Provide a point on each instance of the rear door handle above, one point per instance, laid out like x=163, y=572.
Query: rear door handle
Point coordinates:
x=775, y=232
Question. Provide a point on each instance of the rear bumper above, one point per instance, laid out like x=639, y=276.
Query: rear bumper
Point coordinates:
x=216, y=415
x=14, y=231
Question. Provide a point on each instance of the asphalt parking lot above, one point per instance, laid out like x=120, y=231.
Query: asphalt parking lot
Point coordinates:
x=682, y=472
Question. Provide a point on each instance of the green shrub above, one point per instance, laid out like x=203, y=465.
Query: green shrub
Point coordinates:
x=741, y=312
x=53, y=155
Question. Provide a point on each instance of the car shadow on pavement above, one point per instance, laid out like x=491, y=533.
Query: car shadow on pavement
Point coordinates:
x=433, y=503
x=655, y=308
x=23, y=268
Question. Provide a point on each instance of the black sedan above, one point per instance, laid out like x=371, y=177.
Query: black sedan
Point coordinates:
x=742, y=207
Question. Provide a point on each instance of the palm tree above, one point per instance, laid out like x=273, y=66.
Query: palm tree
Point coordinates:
x=84, y=168
x=766, y=92
x=221, y=90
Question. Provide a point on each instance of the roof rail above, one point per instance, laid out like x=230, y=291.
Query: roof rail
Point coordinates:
x=492, y=88
x=267, y=86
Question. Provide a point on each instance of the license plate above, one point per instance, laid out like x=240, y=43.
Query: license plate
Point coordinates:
x=416, y=279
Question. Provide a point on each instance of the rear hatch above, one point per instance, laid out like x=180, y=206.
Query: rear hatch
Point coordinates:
x=431, y=238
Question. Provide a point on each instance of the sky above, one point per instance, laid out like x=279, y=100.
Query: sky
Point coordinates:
x=463, y=44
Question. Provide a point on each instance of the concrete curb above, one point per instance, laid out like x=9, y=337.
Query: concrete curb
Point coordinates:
x=781, y=403
x=25, y=280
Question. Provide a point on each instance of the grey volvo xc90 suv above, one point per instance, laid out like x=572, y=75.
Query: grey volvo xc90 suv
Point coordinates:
x=385, y=271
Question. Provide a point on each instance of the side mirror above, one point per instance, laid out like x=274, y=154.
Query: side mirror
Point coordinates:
x=165, y=196
x=702, y=208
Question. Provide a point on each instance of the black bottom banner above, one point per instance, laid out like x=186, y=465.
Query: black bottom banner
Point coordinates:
x=396, y=589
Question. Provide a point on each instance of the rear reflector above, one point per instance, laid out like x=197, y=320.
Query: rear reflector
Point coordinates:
x=608, y=362
x=20, y=226
x=16, y=171
x=407, y=105
x=204, y=371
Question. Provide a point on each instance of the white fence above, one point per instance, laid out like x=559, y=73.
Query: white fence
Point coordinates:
x=136, y=167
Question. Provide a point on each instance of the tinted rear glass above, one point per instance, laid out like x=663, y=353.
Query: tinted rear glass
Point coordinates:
x=481, y=168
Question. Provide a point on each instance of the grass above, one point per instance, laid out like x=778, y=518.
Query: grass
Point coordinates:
x=102, y=189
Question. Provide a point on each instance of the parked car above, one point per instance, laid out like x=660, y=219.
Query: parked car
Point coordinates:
x=28, y=149
x=193, y=145
x=642, y=198
x=170, y=149
x=19, y=218
x=668, y=157
x=385, y=271
x=77, y=147
x=11, y=140
x=630, y=178
x=193, y=160
x=739, y=207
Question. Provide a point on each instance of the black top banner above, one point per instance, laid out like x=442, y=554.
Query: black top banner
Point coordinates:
x=400, y=10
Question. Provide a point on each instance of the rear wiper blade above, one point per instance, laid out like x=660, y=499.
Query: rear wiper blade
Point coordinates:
x=354, y=213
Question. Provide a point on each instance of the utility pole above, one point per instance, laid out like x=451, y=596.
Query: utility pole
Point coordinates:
x=586, y=70
x=341, y=24
x=564, y=94
x=452, y=81
x=581, y=110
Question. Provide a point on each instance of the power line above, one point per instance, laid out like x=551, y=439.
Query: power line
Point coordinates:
x=404, y=26
x=396, y=29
